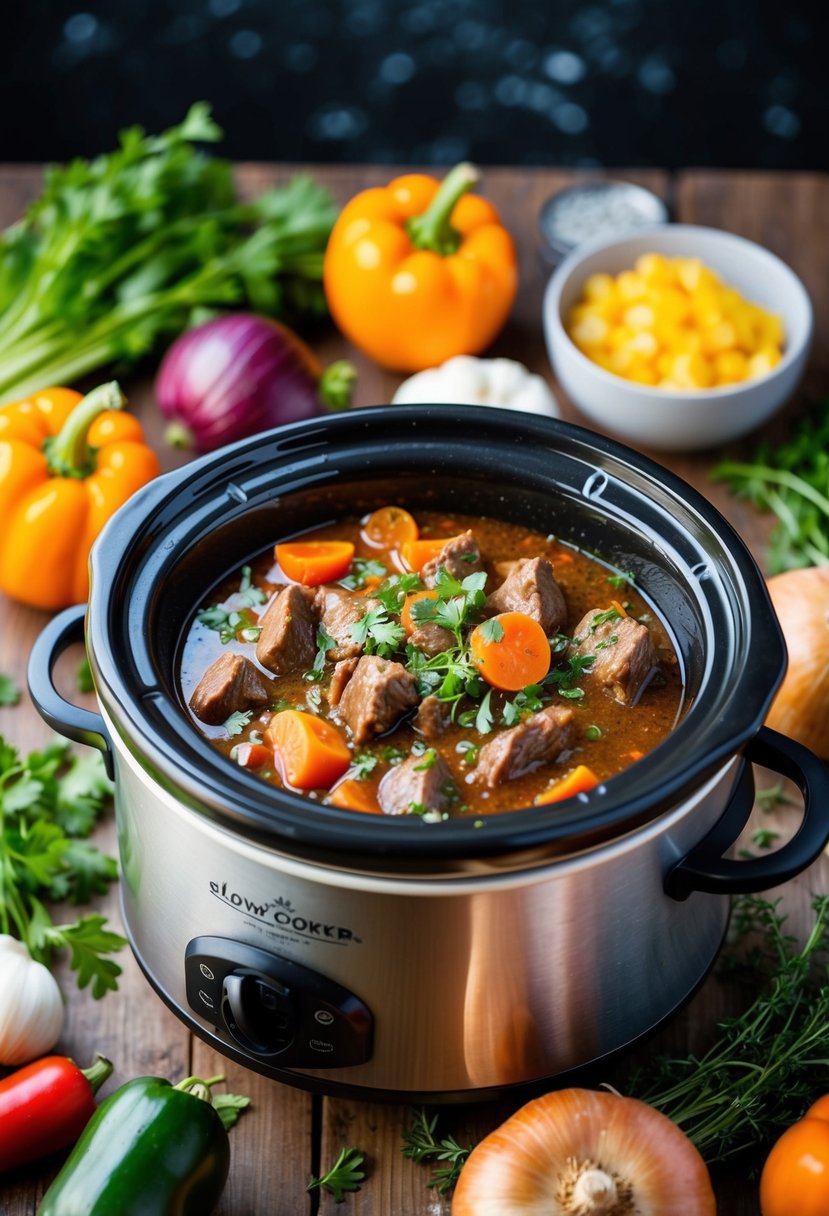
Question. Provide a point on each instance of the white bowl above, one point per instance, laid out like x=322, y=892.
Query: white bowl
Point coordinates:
x=668, y=419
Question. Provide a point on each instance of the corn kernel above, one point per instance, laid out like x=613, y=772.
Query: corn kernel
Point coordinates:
x=654, y=269
x=590, y=331
x=642, y=373
x=763, y=362
x=730, y=367
x=599, y=286
x=630, y=286
x=722, y=336
x=692, y=371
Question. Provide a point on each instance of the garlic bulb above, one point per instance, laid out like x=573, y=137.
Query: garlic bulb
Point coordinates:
x=31, y=1005
x=578, y=1152
x=466, y=380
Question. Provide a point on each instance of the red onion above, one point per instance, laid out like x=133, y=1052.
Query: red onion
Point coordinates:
x=241, y=374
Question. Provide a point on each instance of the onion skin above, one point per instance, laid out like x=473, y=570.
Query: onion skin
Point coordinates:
x=801, y=707
x=241, y=374
x=526, y=1167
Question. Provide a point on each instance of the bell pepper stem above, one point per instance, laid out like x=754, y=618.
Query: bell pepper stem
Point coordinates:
x=97, y=1072
x=336, y=385
x=199, y=1087
x=433, y=230
x=69, y=453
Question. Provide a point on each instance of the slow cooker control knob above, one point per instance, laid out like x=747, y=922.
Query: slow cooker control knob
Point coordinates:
x=257, y=1012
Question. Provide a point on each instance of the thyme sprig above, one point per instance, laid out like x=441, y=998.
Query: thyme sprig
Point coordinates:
x=767, y=1064
x=420, y=1144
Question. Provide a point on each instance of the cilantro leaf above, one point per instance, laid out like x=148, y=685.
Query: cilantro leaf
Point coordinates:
x=377, y=634
x=362, y=765
x=325, y=642
x=236, y=723
x=360, y=571
x=392, y=593
x=249, y=595
x=9, y=690
x=483, y=718
x=491, y=630
x=229, y=1107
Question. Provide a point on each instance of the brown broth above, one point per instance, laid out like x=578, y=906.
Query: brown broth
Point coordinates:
x=626, y=732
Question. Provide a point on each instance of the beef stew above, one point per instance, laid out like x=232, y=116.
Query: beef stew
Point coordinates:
x=467, y=665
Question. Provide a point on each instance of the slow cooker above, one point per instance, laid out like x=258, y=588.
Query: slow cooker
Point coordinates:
x=385, y=956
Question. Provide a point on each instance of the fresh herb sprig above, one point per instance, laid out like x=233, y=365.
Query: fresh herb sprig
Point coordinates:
x=456, y=605
x=421, y=1144
x=49, y=803
x=764, y=1068
x=121, y=253
x=376, y=633
x=346, y=1174
x=360, y=571
x=791, y=480
x=9, y=690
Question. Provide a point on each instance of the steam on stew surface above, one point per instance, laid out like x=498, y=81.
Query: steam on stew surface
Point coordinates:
x=442, y=666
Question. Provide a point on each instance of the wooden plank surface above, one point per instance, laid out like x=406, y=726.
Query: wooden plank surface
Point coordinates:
x=288, y=1133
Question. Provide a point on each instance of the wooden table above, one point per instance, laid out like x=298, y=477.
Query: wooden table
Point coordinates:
x=288, y=1133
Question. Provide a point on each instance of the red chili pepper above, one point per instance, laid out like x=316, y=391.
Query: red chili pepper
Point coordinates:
x=45, y=1106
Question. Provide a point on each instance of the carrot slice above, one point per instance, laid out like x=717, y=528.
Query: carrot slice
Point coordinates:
x=312, y=562
x=416, y=553
x=253, y=755
x=579, y=781
x=354, y=795
x=510, y=651
x=389, y=528
x=310, y=752
x=406, y=611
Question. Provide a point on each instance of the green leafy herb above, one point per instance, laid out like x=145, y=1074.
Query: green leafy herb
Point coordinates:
x=249, y=595
x=762, y=1071
x=121, y=253
x=377, y=634
x=392, y=593
x=621, y=580
x=229, y=1107
x=564, y=678
x=428, y=760
x=362, y=765
x=483, y=718
x=325, y=642
x=9, y=691
x=344, y=1175
x=601, y=618
x=773, y=795
x=469, y=751
x=528, y=701
x=491, y=630
x=237, y=722
x=360, y=571
x=791, y=480
x=421, y=1144
x=392, y=755
x=49, y=802
x=83, y=676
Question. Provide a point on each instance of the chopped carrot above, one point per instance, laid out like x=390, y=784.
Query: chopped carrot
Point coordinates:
x=406, y=612
x=579, y=781
x=619, y=607
x=354, y=795
x=510, y=651
x=311, y=753
x=312, y=562
x=635, y=755
x=389, y=528
x=416, y=553
x=562, y=558
x=253, y=755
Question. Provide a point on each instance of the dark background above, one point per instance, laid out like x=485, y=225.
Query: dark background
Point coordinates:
x=568, y=82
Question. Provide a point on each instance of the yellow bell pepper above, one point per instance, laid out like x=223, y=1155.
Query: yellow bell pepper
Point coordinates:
x=67, y=463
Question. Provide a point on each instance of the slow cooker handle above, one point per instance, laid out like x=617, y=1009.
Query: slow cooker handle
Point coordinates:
x=81, y=725
x=705, y=869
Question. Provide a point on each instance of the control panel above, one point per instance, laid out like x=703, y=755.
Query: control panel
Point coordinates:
x=274, y=1008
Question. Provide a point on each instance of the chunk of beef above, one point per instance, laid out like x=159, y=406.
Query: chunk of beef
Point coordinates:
x=539, y=739
x=289, y=628
x=230, y=684
x=432, y=718
x=340, y=611
x=379, y=692
x=340, y=676
x=432, y=638
x=623, y=652
x=531, y=588
x=459, y=556
x=420, y=781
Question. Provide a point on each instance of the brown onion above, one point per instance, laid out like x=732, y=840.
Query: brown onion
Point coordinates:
x=584, y=1153
x=801, y=707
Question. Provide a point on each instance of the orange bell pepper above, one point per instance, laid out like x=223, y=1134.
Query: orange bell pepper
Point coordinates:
x=67, y=463
x=418, y=271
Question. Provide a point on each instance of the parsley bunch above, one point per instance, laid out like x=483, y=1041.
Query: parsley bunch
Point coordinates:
x=49, y=803
x=790, y=479
x=121, y=253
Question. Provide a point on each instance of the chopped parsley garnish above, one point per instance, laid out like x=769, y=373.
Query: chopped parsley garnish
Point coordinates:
x=238, y=620
x=469, y=751
x=392, y=593
x=225, y=623
x=325, y=642
x=601, y=618
x=362, y=765
x=621, y=580
x=483, y=718
x=564, y=678
x=392, y=755
x=237, y=722
x=377, y=634
x=428, y=761
x=249, y=595
x=360, y=571
x=491, y=630
x=528, y=701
